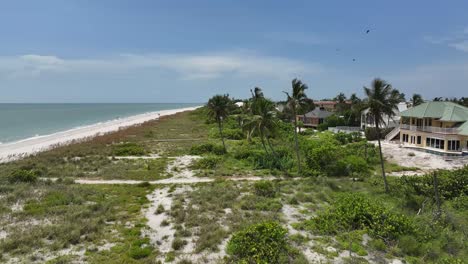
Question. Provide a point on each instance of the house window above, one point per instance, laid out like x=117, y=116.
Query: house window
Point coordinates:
x=435, y=143
x=405, y=137
x=453, y=145
x=419, y=140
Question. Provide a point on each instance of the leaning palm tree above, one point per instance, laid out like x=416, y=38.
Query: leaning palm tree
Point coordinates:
x=296, y=101
x=381, y=100
x=416, y=100
x=218, y=109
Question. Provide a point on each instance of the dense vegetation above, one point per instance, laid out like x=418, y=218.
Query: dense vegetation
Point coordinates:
x=333, y=204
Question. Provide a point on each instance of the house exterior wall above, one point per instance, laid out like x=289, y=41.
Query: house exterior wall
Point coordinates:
x=416, y=133
x=309, y=121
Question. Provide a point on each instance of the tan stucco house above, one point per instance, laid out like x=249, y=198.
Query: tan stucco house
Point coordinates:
x=437, y=126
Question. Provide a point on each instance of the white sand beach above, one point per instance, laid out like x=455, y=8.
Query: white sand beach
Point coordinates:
x=23, y=148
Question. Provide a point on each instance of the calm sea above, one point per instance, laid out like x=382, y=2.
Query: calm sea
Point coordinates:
x=21, y=121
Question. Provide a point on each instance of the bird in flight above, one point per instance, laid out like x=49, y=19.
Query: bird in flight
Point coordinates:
x=367, y=31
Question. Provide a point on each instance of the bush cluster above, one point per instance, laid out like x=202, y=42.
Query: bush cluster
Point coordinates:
x=22, y=175
x=325, y=155
x=260, y=243
x=451, y=184
x=207, y=148
x=229, y=133
x=357, y=212
x=345, y=138
x=128, y=149
x=208, y=162
x=264, y=188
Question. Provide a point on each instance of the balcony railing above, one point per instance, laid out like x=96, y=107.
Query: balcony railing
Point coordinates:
x=430, y=129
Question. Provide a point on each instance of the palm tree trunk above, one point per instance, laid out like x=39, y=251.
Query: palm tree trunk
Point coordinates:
x=262, y=138
x=381, y=156
x=299, y=169
x=221, y=134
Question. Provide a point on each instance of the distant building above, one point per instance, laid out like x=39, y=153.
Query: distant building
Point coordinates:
x=329, y=105
x=367, y=120
x=239, y=104
x=314, y=118
x=438, y=126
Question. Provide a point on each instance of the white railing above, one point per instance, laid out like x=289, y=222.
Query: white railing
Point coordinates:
x=392, y=134
x=430, y=129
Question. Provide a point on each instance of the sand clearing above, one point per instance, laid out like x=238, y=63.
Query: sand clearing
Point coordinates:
x=423, y=160
x=23, y=148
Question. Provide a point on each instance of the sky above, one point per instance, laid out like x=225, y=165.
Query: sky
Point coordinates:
x=186, y=51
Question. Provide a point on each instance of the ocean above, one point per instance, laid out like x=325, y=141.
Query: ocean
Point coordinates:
x=22, y=121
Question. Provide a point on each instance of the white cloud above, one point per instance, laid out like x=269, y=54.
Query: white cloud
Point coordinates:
x=187, y=66
x=463, y=46
x=457, y=40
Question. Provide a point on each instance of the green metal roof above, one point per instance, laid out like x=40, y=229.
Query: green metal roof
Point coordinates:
x=445, y=111
x=463, y=129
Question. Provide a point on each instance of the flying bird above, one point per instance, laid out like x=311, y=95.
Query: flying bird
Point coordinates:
x=367, y=31
x=354, y=59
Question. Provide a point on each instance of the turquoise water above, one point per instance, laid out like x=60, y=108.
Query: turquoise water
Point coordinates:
x=21, y=121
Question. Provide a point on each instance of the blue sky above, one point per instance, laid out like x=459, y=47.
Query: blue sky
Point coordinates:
x=186, y=51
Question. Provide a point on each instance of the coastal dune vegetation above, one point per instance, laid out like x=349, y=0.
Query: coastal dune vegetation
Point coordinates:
x=262, y=189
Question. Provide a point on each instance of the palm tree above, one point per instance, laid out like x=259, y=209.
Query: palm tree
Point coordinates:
x=256, y=93
x=355, y=109
x=218, y=109
x=262, y=121
x=416, y=100
x=381, y=100
x=295, y=103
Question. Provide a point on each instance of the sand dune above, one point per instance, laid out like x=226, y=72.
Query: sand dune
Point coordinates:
x=23, y=148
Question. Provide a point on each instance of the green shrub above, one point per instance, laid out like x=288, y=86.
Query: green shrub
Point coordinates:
x=260, y=243
x=260, y=203
x=350, y=165
x=128, y=149
x=160, y=209
x=452, y=184
x=144, y=184
x=331, y=121
x=264, y=188
x=229, y=133
x=207, y=148
x=357, y=212
x=140, y=249
x=22, y=175
x=178, y=243
x=208, y=162
x=410, y=245
x=378, y=244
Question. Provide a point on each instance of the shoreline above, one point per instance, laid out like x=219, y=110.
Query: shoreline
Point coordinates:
x=22, y=148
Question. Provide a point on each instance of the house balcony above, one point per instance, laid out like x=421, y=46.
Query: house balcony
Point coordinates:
x=430, y=129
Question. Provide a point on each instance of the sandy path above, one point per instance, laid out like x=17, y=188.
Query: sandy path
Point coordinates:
x=175, y=180
x=23, y=148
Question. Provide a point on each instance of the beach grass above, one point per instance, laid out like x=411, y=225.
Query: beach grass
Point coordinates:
x=61, y=221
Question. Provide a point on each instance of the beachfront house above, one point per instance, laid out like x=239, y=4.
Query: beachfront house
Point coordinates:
x=367, y=120
x=436, y=126
x=314, y=118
